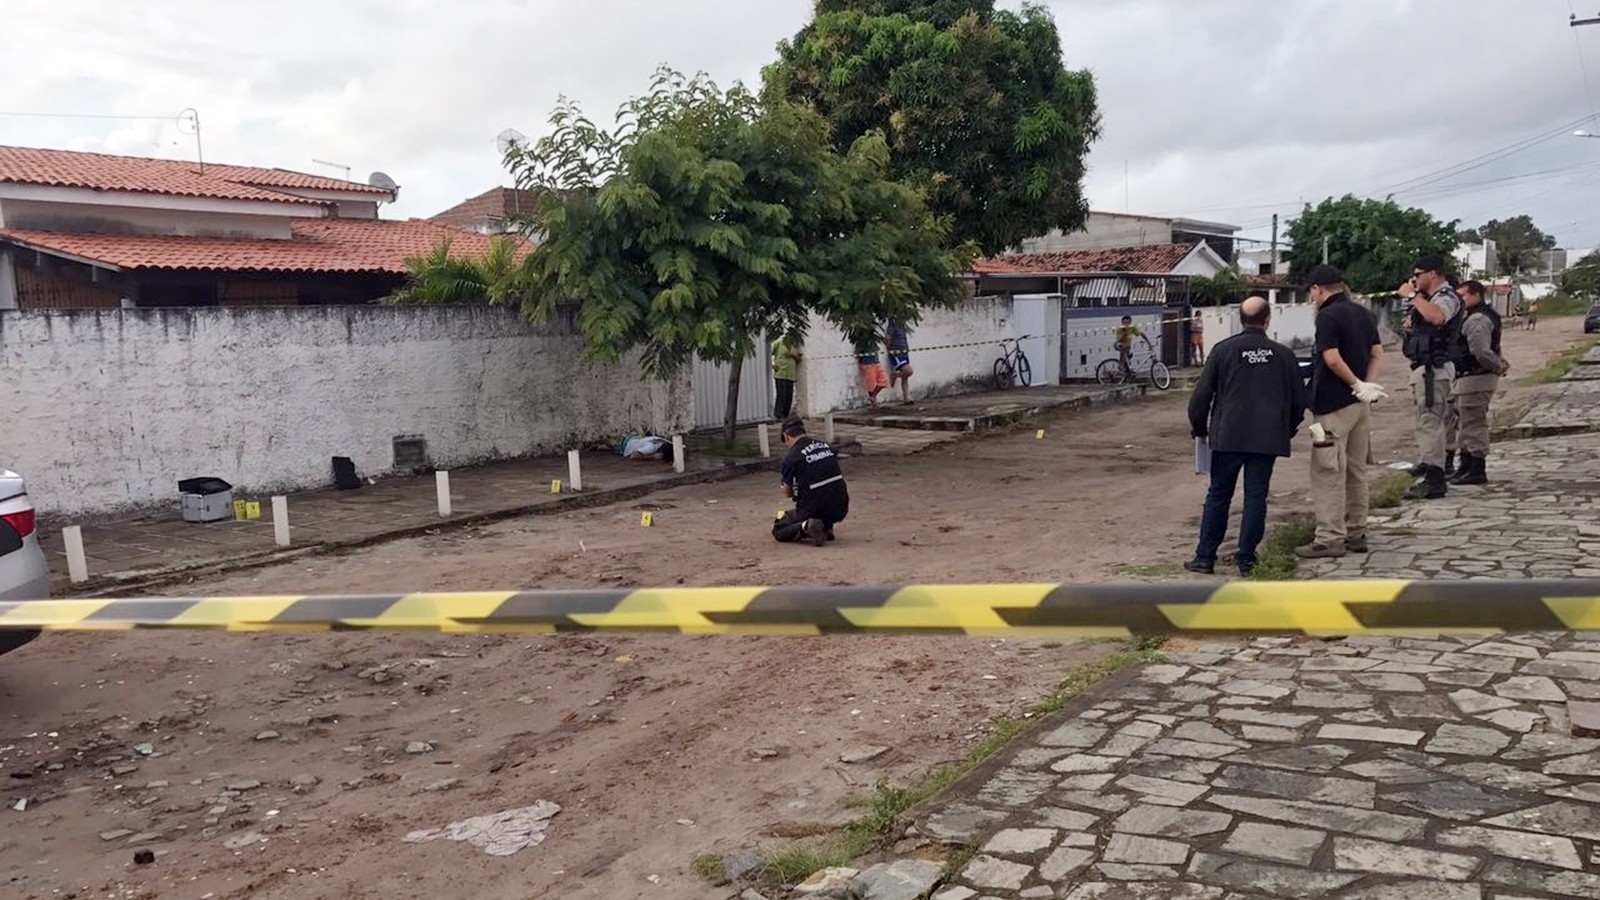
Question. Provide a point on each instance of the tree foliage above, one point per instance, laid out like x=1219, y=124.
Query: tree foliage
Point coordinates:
x=975, y=103
x=1582, y=278
x=498, y=278
x=1373, y=242
x=1224, y=287
x=1518, y=242
x=704, y=217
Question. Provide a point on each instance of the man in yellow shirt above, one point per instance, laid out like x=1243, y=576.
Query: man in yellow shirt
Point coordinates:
x=1126, y=332
x=785, y=370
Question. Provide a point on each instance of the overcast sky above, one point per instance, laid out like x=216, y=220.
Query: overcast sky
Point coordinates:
x=1227, y=110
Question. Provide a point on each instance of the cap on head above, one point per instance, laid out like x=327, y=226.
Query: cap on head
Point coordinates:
x=1430, y=262
x=794, y=428
x=1324, y=275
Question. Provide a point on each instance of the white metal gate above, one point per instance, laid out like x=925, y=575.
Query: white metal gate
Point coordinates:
x=710, y=381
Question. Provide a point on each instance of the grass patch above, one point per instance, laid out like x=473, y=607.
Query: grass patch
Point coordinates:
x=883, y=808
x=1154, y=570
x=1276, y=560
x=1558, y=367
x=1386, y=493
x=711, y=867
x=1559, y=304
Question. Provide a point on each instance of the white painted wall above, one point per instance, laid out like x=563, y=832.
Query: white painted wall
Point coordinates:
x=1039, y=316
x=1293, y=324
x=116, y=405
x=829, y=379
x=42, y=215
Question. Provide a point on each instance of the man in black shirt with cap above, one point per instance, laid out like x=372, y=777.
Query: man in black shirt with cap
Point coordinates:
x=1348, y=356
x=810, y=474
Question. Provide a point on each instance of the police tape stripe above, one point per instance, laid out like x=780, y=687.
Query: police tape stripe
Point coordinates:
x=1300, y=607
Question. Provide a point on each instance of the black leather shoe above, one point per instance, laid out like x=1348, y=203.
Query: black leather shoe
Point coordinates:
x=1200, y=568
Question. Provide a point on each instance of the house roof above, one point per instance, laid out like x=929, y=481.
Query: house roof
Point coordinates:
x=1149, y=259
x=104, y=172
x=317, y=245
x=491, y=206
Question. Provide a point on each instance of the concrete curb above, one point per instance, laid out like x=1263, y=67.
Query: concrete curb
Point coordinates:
x=112, y=585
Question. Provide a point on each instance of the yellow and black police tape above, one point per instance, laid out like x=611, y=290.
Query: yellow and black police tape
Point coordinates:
x=1113, y=610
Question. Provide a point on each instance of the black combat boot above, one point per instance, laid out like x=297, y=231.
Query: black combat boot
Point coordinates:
x=1472, y=471
x=1430, y=487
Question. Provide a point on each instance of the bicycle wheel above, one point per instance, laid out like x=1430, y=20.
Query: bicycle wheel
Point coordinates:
x=1003, y=373
x=1160, y=375
x=1024, y=370
x=1110, y=371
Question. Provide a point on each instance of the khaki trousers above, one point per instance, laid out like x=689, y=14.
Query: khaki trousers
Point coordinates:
x=1339, y=473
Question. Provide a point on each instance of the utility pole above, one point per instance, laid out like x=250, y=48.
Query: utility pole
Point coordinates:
x=1324, y=249
x=1274, y=256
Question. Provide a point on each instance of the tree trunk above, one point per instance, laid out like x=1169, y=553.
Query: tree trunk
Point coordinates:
x=730, y=415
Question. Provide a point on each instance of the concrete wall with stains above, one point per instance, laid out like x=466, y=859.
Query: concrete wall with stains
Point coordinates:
x=105, y=410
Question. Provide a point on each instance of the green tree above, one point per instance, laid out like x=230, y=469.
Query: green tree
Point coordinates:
x=976, y=105
x=1518, y=242
x=1373, y=242
x=1223, y=287
x=1582, y=278
x=498, y=278
x=705, y=217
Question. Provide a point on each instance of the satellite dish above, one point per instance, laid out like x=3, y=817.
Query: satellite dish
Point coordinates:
x=509, y=138
x=382, y=180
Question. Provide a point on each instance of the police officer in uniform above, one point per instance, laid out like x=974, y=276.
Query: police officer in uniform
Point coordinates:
x=1435, y=323
x=1479, y=366
x=810, y=474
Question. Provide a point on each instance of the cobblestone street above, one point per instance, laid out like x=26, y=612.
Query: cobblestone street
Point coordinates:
x=1428, y=769
x=1367, y=768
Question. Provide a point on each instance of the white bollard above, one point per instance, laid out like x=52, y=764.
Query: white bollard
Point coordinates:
x=827, y=428
x=280, y=520
x=766, y=442
x=441, y=483
x=574, y=477
x=77, y=563
x=677, y=453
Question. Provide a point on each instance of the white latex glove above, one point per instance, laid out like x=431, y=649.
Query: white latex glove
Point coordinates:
x=1367, y=392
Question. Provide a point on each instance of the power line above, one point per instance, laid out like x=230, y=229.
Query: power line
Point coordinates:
x=47, y=115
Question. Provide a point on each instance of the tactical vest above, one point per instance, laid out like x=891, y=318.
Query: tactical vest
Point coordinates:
x=1433, y=345
x=1466, y=363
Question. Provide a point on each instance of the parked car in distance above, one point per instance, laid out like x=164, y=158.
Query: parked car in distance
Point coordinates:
x=1591, y=321
x=24, y=573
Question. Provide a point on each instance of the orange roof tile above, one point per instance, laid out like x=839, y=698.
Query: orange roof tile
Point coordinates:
x=1151, y=259
x=104, y=172
x=318, y=245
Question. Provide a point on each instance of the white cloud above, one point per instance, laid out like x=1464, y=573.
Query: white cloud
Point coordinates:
x=1227, y=109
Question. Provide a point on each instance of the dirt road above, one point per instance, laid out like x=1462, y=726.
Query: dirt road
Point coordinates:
x=282, y=766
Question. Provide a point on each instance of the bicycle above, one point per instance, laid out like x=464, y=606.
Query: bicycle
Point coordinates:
x=1012, y=366
x=1114, y=371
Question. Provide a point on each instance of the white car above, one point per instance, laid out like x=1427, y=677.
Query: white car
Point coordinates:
x=24, y=573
